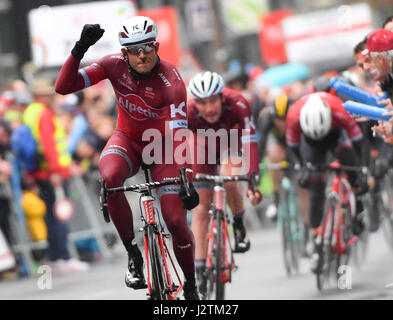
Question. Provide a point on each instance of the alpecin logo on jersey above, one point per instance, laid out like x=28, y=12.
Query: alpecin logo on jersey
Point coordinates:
x=138, y=109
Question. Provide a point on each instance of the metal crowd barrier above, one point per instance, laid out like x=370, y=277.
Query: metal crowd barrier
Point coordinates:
x=87, y=221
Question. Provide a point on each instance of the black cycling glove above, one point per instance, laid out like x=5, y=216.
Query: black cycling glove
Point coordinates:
x=189, y=202
x=91, y=33
x=304, y=177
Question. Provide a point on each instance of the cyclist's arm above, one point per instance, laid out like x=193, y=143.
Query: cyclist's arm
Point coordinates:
x=265, y=124
x=248, y=139
x=354, y=132
x=72, y=79
x=293, y=135
x=177, y=123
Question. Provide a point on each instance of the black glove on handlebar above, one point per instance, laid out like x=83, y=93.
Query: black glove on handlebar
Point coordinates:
x=91, y=33
x=189, y=202
x=304, y=177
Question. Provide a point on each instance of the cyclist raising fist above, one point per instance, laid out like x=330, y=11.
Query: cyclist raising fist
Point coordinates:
x=218, y=114
x=150, y=95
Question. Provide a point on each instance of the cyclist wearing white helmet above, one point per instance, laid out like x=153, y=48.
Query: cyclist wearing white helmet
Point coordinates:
x=150, y=94
x=315, y=118
x=213, y=107
x=319, y=126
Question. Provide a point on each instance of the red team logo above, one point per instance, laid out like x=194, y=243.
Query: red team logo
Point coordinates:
x=137, y=109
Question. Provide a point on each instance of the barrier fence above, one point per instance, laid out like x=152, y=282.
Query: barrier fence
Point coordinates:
x=86, y=226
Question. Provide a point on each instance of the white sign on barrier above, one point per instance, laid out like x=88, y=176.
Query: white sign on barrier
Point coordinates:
x=7, y=260
x=54, y=30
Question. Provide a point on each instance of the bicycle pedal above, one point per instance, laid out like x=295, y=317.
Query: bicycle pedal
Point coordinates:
x=138, y=286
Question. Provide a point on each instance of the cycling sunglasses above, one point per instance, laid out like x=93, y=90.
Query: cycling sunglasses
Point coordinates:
x=145, y=47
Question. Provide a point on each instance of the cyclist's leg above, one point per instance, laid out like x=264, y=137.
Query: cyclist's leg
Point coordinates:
x=200, y=222
x=175, y=217
x=316, y=191
x=304, y=198
x=233, y=165
x=275, y=153
x=119, y=161
x=317, y=157
x=201, y=219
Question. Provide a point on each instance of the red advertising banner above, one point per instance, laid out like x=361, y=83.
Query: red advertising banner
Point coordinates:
x=168, y=37
x=271, y=37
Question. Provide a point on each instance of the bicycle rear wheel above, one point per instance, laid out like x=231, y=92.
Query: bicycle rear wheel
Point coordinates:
x=159, y=284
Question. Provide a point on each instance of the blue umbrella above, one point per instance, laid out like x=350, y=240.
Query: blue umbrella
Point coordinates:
x=283, y=74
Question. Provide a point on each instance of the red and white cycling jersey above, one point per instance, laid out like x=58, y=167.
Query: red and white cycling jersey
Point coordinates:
x=236, y=114
x=340, y=118
x=145, y=104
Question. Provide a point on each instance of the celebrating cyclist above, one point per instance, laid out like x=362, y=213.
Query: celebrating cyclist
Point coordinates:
x=222, y=113
x=150, y=95
x=319, y=126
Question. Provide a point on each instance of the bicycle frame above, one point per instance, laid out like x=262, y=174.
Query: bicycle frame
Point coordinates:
x=339, y=196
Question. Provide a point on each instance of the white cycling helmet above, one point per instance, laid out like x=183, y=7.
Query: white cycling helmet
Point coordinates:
x=315, y=118
x=137, y=29
x=205, y=84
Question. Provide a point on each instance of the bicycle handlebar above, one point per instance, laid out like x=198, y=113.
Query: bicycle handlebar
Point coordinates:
x=220, y=179
x=336, y=166
x=142, y=187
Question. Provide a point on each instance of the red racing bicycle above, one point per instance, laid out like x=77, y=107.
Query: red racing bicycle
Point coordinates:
x=163, y=279
x=220, y=261
x=335, y=236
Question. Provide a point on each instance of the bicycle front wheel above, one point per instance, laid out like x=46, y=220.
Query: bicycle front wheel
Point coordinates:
x=220, y=258
x=159, y=289
x=215, y=285
x=288, y=226
x=325, y=249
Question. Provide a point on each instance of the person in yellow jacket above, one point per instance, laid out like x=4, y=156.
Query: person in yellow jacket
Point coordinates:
x=52, y=173
x=35, y=209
